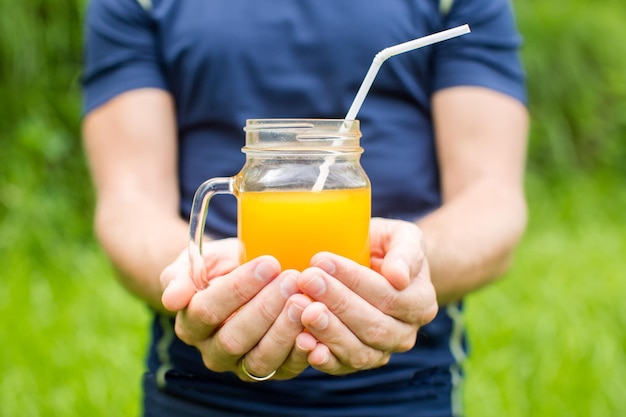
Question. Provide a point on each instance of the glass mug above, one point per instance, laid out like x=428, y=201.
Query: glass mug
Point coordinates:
x=301, y=191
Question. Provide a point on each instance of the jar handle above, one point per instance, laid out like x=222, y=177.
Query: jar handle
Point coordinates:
x=199, y=210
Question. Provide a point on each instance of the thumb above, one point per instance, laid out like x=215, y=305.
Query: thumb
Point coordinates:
x=178, y=288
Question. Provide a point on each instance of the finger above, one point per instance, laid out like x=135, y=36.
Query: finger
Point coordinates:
x=323, y=360
x=298, y=359
x=406, y=305
x=250, y=327
x=178, y=293
x=216, y=258
x=367, y=319
x=345, y=352
x=277, y=349
x=220, y=257
x=177, y=285
x=425, y=299
x=212, y=306
x=325, y=282
x=399, y=245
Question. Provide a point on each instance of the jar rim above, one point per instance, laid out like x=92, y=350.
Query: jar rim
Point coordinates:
x=344, y=126
x=302, y=134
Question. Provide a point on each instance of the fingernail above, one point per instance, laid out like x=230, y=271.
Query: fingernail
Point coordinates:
x=305, y=342
x=321, y=322
x=264, y=271
x=327, y=266
x=289, y=286
x=294, y=312
x=316, y=286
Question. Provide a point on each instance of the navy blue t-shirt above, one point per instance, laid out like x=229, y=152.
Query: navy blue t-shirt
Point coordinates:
x=228, y=61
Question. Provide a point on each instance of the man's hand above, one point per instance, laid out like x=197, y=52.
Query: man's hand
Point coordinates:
x=248, y=316
x=360, y=316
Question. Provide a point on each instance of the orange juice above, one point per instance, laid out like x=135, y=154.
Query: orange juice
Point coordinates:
x=295, y=225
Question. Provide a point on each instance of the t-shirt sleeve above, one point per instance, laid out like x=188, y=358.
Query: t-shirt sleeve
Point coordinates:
x=486, y=57
x=120, y=53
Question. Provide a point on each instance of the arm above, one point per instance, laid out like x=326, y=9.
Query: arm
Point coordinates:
x=132, y=152
x=481, y=145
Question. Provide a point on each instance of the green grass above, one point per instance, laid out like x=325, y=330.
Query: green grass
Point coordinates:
x=72, y=339
x=547, y=340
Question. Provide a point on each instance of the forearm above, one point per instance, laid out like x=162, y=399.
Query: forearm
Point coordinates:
x=470, y=240
x=140, y=241
x=131, y=146
x=481, y=146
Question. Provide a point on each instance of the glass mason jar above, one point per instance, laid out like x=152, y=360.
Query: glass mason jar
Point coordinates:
x=301, y=191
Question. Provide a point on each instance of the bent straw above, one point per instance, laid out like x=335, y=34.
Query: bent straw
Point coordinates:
x=387, y=53
x=377, y=62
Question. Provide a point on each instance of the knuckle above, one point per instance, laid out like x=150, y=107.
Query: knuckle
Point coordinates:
x=182, y=332
x=230, y=344
x=282, y=340
x=207, y=315
x=358, y=360
x=212, y=364
x=377, y=335
x=267, y=313
x=256, y=367
x=334, y=339
x=430, y=314
x=425, y=308
x=389, y=303
x=240, y=290
x=293, y=368
x=384, y=360
x=340, y=306
x=365, y=359
x=407, y=343
x=418, y=306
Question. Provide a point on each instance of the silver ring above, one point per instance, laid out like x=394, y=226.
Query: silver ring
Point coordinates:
x=253, y=377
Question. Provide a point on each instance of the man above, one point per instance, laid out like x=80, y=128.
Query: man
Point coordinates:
x=169, y=86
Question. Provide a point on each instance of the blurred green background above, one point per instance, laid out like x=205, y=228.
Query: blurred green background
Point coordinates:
x=547, y=340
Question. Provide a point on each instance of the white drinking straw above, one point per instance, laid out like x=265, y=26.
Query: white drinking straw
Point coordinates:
x=387, y=53
x=378, y=60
